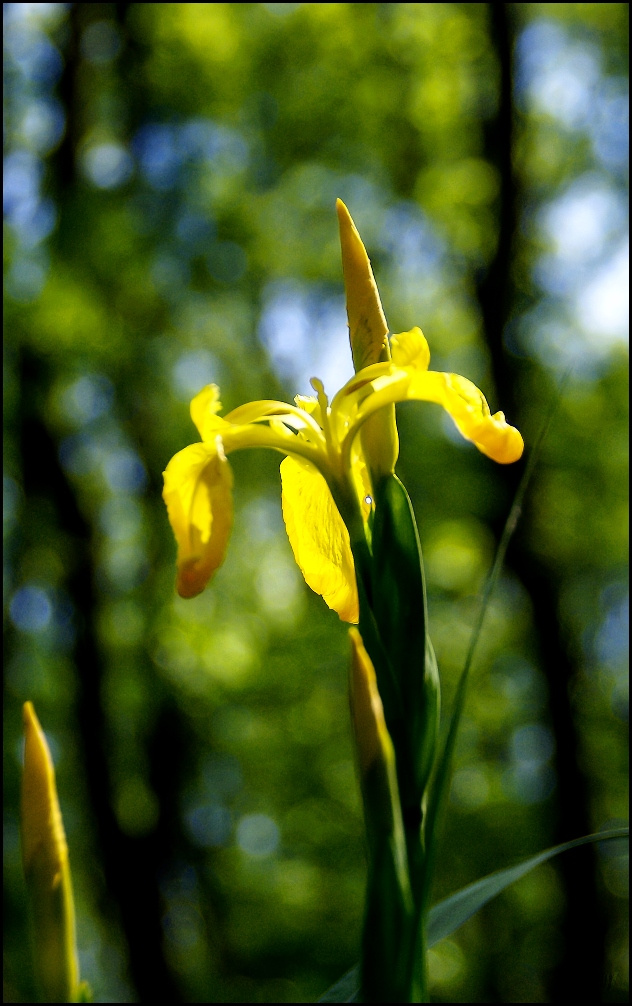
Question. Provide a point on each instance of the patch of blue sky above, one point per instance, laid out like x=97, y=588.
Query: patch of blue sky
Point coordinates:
x=304, y=330
x=27, y=275
x=31, y=609
x=31, y=218
x=26, y=46
x=207, y=140
x=193, y=370
x=163, y=148
x=108, y=165
x=610, y=124
x=39, y=610
x=87, y=398
x=159, y=155
x=40, y=124
x=123, y=470
x=258, y=835
x=101, y=452
x=23, y=172
x=418, y=267
x=610, y=649
x=612, y=642
x=411, y=240
x=555, y=74
x=585, y=270
x=602, y=306
x=582, y=222
x=529, y=777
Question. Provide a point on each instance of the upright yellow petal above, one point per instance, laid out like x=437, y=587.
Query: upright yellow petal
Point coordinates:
x=319, y=538
x=198, y=494
x=204, y=409
x=410, y=349
x=367, y=324
x=369, y=342
x=46, y=868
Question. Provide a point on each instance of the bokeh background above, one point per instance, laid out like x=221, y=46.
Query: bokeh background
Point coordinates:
x=171, y=172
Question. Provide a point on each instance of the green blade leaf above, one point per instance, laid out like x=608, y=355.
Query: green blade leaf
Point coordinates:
x=446, y=917
x=345, y=990
x=399, y=605
x=440, y=784
x=451, y=913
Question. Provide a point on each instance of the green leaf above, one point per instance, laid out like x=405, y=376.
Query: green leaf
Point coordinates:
x=345, y=990
x=399, y=605
x=440, y=784
x=386, y=942
x=446, y=917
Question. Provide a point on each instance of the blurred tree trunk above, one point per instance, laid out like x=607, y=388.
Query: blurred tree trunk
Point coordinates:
x=579, y=974
x=132, y=865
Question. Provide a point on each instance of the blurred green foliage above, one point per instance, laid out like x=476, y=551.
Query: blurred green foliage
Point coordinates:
x=170, y=178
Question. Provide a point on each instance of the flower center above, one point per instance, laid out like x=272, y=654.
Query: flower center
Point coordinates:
x=325, y=418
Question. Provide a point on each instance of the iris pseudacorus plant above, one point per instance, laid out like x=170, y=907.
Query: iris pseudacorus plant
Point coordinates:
x=329, y=472
x=354, y=537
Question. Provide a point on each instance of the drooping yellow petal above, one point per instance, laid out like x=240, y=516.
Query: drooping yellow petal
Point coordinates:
x=319, y=538
x=471, y=414
x=46, y=868
x=459, y=397
x=198, y=494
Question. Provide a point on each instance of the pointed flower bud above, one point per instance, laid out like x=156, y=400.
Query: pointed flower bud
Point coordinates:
x=368, y=333
x=46, y=868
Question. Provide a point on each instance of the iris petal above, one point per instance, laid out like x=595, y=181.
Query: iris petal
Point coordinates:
x=459, y=397
x=204, y=409
x=319, y=538
x=471, y=414
x=198, y=494
x=410, y=349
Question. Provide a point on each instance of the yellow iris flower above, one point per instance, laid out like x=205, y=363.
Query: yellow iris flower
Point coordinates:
x=329, y=469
